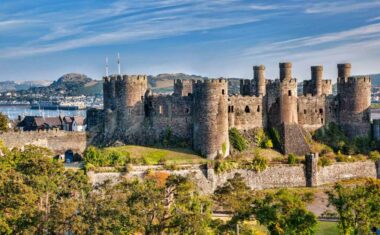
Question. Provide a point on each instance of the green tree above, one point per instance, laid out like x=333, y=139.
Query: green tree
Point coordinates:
x=358, y=207
x=4, y=123
x=284, y=213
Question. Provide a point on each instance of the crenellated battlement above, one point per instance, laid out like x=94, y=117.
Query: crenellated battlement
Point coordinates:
x=132, y=78
x=327, y=82
x=202, y=110
x=354, y=79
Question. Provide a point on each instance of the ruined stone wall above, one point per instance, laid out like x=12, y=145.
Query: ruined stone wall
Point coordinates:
x=272, y=92
x=57, y=141
x=327, y=87
x=311, y=111
x=246, y=112
x=183, y=87
x=169, y=113
x=343, y=171
x=210, y=118
x=247, y=87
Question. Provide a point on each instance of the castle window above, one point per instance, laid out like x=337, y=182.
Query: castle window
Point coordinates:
x=247, y=109
x=289, y=93
x=258, y=108
x=304, y=111
x=321, y=111
x=160, y=109
x=222, y=91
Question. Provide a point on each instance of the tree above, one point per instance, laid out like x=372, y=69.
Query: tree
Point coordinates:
x=284, y=213
x=358, y=207
x=37, y=194
x=235, y=197
x=4, y=123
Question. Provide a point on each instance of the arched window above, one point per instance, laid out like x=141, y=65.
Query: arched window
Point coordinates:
x=289, y=93
x=258, y=108
x=222, y=91
x=247, y=110
x=321, y=111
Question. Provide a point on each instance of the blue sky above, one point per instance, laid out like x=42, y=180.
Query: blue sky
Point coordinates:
x=43, y=39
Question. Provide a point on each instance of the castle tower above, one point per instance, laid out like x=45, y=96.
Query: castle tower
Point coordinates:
x=344, y=70
x=354, y=96
x=259, y=78
x=288, y=95
x=246, y=87
x=133, y=89
x=285, y=71
x=210, y=118
x=317, y=79
x=109, y=103
x=183, y=87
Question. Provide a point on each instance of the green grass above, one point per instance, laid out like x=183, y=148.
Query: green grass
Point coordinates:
x=153, y=156
x=327, y=228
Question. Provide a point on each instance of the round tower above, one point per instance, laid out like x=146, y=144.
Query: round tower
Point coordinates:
x=133, y=89
x=285, y=71
x=344, y=70
x=288, y=95
x=317, y=79
x=354, y=105
x=259, y=78
x=210, y=118
x=109, y=104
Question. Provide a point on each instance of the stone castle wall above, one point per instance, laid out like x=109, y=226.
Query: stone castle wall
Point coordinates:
x=275, y=176
x=57, y=141
x=246, y=112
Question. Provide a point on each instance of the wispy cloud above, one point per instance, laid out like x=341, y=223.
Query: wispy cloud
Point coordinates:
x=124, y=21
x=362, y=34
x=340, y=7
x=374, y=19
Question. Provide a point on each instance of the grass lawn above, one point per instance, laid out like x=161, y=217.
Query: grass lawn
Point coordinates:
x=153, y=156
x=327, y=228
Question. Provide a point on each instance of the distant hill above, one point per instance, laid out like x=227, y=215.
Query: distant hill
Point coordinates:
x=19, y=86
x=76, y=84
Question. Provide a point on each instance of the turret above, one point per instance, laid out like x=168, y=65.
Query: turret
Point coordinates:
x=344, y=70
x=288, y=95
x=246, y=87
x=285, y=71
x=183, y=87
x=259, y=78
x=317, y=79
x=354, y=104
x=210, y=118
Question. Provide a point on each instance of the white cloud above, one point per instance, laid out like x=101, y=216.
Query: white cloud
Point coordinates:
x=340, y=7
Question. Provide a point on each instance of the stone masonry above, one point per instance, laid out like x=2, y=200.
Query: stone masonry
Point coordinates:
x=201, y=112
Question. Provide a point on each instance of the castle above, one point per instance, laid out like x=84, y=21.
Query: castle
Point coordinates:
x=202, y=112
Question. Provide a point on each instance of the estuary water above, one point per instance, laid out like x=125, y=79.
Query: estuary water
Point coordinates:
x=14, y=111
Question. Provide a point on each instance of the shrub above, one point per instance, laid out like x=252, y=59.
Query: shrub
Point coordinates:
x=237, y=140
x=225, y=166
x=268, y=144
x=99, y=157
x=292, y=159
x=374, y=156
x=275, y=137
x=324, y=161
x=258, y=163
